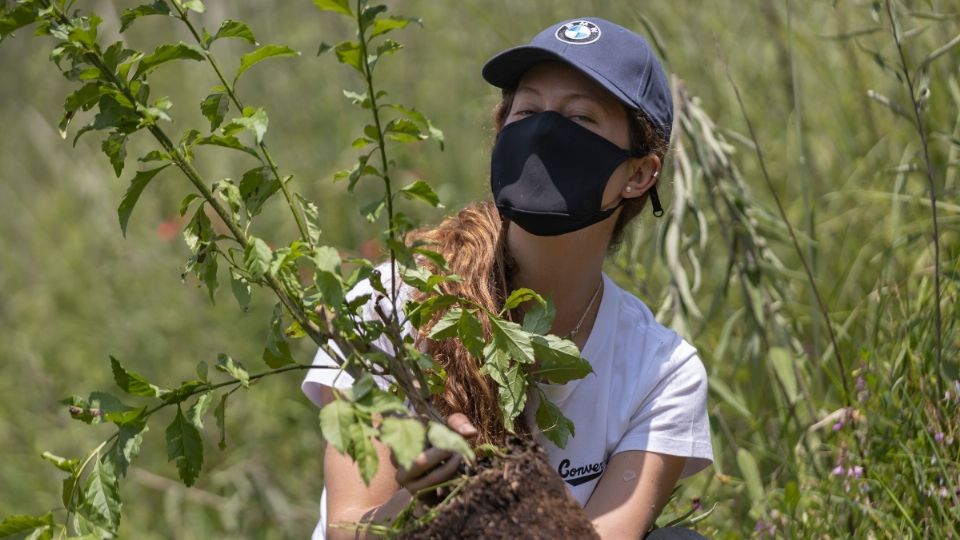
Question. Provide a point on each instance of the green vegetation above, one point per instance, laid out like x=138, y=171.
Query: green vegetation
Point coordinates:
x=846, y=428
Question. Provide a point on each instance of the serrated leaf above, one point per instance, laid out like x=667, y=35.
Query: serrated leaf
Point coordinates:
x=471, y=333
x=277, y=352
x=249, y=60
x=185, y=446
x=241, y=290
x=520, y=296
x=20, y=523
x=257, y=257
x=228, y=141
x=130, y=15
x=363, y=451
x=132, y=195
x=422, y=191
x=405, y=437
x=447, y=326
x=552, y=423
x=102, y=496
x=312, y=215
x=127, y=448
x=255, y=120
x=539, y=318
x=214, y=107
x=199, y=408
x=348, y=53
x=164, y=54
x=234, y=368
x=337, y=6
x=256, y=187
x=234, y=29
x=388, y=24
x=510, y=337
x=115, y=147
x=133, y=383
x=440, y=436
x=559, y=360
x=335, y=420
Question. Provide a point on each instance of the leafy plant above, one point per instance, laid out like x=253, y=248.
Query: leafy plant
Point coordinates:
x=114, y=82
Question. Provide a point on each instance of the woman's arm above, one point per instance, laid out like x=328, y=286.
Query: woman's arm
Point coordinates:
x=632, y=491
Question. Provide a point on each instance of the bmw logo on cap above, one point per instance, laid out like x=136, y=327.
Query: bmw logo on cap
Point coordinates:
x=578, y=32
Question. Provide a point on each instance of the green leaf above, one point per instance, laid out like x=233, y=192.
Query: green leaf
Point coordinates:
x=115, y=147
x=539, y=318
x=520, y=296
x=130, y=198
x=257, y=257
x=241, y=290
x=363, y=451
x=443, y=437
x=510, y=337
x=133, y=383
x=388, y=24
x=130, y=15
x=234, y=368
x=164, y=54
x=337, y=6
x=228, y=142
x=256, y=187
x=186, y=447
x=64, y=464
x=267, y=51
x=403, y=130
x=559, y=359
x=335, y=420
x=447, y=326
x=127, y=447
x=254, y=120
x=405, y=437
x=220, y=413
x=12, y=18
x=20, y=523
x=512, y=385
x=234, y=29
x=102, y=496
x=422, y=191
x=277, y=352
x=312, y=215
x=552, y=423
x=199, y=408
x=471, y=333
x=348, y=53
x=751, y=476
x=783, y=366
x=214, y=107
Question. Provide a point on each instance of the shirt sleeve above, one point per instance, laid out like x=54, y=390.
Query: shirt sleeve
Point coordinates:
x=672, y=419
x=327, y=371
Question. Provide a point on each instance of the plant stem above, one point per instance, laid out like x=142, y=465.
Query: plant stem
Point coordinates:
x=263, y=146
x=921, y=130
x=796, y=243
x=381, y=145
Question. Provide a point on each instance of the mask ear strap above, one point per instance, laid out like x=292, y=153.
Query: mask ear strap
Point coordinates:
x=655, y=201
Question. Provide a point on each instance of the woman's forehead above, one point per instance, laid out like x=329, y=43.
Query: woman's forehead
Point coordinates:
x=560, y=79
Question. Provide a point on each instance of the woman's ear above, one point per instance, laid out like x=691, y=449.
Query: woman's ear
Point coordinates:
x=644, y=175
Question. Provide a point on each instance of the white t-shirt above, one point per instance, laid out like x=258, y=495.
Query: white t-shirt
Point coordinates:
x=648, y=391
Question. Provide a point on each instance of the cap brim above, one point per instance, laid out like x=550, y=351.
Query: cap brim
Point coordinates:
x=505, y=69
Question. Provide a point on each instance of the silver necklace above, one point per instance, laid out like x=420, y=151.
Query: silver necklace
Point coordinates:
x=583, y=317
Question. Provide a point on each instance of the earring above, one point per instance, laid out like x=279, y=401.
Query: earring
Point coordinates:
x=628, y=189
x=656, y=173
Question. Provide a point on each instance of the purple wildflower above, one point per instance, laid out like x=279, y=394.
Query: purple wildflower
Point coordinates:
x=938, y=437
x=837, y=471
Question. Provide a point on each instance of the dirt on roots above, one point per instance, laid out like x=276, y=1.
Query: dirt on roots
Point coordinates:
x=511, y=497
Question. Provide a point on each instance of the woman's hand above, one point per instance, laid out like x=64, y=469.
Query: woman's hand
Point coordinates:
x=434, y=465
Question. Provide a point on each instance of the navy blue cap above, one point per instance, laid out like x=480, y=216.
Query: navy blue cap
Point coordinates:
x=616, y=58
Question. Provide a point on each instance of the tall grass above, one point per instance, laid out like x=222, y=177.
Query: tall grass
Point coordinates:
x=837, y=128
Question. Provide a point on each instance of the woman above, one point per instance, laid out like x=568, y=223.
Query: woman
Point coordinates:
x=583, y=127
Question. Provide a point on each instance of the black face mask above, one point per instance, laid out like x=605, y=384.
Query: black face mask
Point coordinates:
x=548, y=174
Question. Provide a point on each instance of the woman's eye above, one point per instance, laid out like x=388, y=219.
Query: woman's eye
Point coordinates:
x=524, y=112
x=581, y=118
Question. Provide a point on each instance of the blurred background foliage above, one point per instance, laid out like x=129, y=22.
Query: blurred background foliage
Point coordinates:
x=848, y=170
